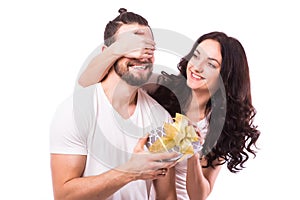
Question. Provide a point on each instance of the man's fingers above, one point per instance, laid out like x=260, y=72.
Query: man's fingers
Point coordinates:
x=141, y=143
x=164, y=156
x=164, y=165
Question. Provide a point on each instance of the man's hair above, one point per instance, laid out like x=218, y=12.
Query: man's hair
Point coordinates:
x=124, y=18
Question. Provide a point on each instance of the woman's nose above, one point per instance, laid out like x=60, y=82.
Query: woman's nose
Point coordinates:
x=199, y=65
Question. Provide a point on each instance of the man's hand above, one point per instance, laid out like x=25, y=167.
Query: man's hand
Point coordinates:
x=145, y=165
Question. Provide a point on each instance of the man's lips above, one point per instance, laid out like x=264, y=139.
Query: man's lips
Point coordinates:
x=138, y=67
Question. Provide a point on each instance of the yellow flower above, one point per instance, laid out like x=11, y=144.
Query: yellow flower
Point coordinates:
x=180, y=133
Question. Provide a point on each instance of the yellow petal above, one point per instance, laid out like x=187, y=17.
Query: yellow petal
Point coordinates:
x=162, y=145
x=179, y=133
x=189, y=150
x=186, y=147
x=178, y=138
x=170, y=130
x=191, y=134
x=181, y=122
x=169, y=143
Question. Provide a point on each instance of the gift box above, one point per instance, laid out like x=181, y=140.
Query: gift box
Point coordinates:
x=180, y=136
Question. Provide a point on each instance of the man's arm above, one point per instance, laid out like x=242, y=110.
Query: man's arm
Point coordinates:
x=68, y=182
x=67, y=171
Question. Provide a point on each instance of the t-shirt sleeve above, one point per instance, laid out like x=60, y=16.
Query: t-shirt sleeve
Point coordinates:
x=65, y=137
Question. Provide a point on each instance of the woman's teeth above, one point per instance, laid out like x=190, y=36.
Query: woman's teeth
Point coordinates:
x=196, y=76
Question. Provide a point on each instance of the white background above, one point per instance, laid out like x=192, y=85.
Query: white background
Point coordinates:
x=43, y=45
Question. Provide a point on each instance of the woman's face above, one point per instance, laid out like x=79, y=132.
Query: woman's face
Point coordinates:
x=204, y=67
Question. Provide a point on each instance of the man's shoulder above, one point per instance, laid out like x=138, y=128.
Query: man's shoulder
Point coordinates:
x=147, y=100
x=152, y=110
x=146, y=96
x=64, y=108
x=66, y=135
x=77, y=111
x=78, y=103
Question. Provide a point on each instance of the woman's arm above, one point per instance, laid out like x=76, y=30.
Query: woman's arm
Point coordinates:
x=129, y=44
x=165, y=188
x=99, y=66
x=200, y=181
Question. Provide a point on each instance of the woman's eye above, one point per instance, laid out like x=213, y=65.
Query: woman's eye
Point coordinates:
x=211, y=65
x=195, y=56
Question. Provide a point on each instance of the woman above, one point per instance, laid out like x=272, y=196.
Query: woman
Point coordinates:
x=214, y=56
x=212, y=90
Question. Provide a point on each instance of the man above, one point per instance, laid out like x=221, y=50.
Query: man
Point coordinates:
x=94, y=133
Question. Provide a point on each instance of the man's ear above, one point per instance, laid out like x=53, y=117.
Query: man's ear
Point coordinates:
x=103, y=47
x=152, y=59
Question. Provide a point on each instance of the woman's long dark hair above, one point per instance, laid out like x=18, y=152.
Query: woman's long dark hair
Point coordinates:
x=231, y=106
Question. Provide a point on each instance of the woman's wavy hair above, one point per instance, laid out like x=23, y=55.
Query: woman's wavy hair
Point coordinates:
x=232, y=106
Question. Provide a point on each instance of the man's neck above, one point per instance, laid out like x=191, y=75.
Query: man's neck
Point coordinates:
x=122, y=96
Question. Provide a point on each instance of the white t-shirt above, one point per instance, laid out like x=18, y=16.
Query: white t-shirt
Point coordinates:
x=87, y=124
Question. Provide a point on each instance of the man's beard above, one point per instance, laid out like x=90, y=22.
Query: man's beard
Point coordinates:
x=131, y=78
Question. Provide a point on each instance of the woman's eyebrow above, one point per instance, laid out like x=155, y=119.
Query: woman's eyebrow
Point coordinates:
x=209, y=58
x=215, y=60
